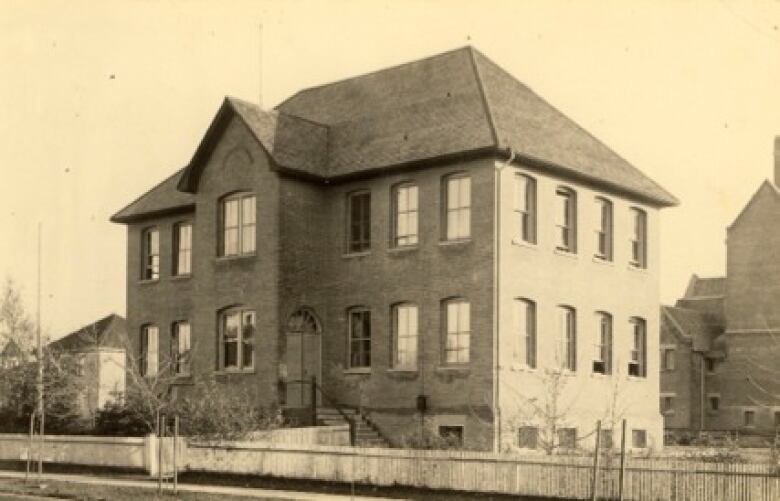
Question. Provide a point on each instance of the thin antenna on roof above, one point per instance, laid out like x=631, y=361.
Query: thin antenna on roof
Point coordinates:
x=260, y=61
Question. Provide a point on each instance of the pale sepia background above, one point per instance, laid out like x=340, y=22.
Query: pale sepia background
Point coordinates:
x=102, y=100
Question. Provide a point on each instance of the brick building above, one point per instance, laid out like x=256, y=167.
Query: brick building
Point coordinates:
x=425, y=240
x=721, y=343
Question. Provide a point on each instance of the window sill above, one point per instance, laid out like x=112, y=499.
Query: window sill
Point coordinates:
x=638, y=269
x=636, y=378
x=181, y=277
x=600, y=375
x=351, y=255
x=522, y=368
x=452, y=368
x=603, y=261
x=565, y=253
x=239, y=257
x=225, y=372
x=401, y=371
x=523, y=243
x=455, y=242
x=403, y=249
x=183, y=379
x=149, y=281
x=358, y=370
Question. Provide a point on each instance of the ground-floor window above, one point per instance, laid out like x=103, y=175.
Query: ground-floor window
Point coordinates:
x=237, y=333
x=359, y=338
x=528, y=437
x=639, y=439
x=567, y=438
x=150, y=343
x=452, y=434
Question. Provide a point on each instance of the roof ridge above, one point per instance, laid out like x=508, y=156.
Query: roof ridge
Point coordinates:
x=485, y=99
x=373, y=72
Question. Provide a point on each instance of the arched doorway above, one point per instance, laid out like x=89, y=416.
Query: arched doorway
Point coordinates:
x=302, y=356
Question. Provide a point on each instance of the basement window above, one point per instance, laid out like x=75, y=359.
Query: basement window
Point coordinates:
x=452, y=434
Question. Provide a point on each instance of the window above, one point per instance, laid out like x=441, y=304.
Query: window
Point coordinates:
x=525, y=327
x=639, y=439
x=566, y=219
x=639, y=239
x=525, y=207
x=149, y=360
x=238, y=225
x=180, y=348
x=602, y=361
x=359, y=222
x=237, y=332
x=604, y=231
x=710, y=363
x=405, y=336
x=528, y=437
x=458, y=331
x=151, y=254
x=567, y=327
x=668, y=357
x=749, y=418
x=667, y=404
x=606, y=439
x=405, y=215
x=714, y=403
x=359, y=338
x=567, y=438
x=182, y=254
x=637, y=365
x=452, y=434
x=458, y=207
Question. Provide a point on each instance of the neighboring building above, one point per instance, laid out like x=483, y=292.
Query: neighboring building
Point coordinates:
x=11, y=356
x=99, y=353
x=736, y=320
x=428, y=238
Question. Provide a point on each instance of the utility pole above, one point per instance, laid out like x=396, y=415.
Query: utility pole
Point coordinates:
x=40, y=363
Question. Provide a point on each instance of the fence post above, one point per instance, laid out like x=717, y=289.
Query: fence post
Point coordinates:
x=30, y=446
x=159, y=453
x=175, y=447
x=314, y=400
x=595, y=475
x=622, y=461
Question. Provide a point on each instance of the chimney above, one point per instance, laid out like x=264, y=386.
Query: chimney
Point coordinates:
x=777, y=161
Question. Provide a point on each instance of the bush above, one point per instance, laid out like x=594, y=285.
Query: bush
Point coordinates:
x=117, y=420
x=428, y=440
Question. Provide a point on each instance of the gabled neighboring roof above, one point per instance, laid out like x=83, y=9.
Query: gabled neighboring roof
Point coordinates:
x=767, y=188
x=108, y=332
x=700, y=288
x=692, y=325
x=454, y=103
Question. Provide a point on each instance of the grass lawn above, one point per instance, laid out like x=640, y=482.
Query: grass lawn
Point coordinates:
x=88, y=492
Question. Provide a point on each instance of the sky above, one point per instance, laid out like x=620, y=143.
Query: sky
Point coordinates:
x=99, y=101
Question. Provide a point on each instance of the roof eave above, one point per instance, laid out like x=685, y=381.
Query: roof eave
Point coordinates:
x=141, y=216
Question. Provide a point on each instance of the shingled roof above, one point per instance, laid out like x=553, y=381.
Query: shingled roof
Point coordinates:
x=108, y=332
x=450, y=104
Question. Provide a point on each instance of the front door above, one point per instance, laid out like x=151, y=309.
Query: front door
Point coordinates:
x=302, y=357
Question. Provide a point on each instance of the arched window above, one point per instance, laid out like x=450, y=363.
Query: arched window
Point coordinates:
x=405, y=206
x=525, y=329
x=525, y=207
x=304, y=322
x=457, y=331
x=604, y=229
x=237, y=225
x=567, y=325
x=182, y=248
x=639, y=238
x=150, y=259
x=359, y=342
x=149, y=350
x=602, y=356
x=566, y=219
x=237, y=328
x=181, y=344
x=457, y=206
x=405, y=328
x=637, y=362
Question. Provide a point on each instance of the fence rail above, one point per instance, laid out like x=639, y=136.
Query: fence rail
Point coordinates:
x=561, y=477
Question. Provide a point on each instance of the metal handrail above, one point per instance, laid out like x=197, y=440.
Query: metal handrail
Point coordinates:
x=331, y=401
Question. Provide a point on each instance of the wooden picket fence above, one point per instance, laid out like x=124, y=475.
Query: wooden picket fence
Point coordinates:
x=545, y=476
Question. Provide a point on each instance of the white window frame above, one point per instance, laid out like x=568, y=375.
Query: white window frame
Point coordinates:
x=361, y=339
x=245, y=225
x=150, y=350
x=150, y=254
x=567, y=328
x=602, y=360
x=244, y=339
x=525, y=207
x=638, y=353
x=525, y=331
x=405, y=215
x=639, y=238
x=358, y=224
x=182, y=238
x=457, y=331
x=604, y=233
x=457, y=207
x=405, y=336
x=668, y=358
x=566, y=223
x=181, y=347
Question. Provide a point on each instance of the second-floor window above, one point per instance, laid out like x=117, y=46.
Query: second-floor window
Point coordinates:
x=457, y=335
x=566, y=219
x=359, y=338
x=525, y=207
x=405, y=336
x=604, y=230
x=359, y=222
x=405, y=215
x=151, y=254
x=182, y=253
x=238, y=225
x=639, y=238
x=567, y=324
x=602, y=360
x=149, y=351
x=637, y=364
x=525, y=327
x=458, y=207
x=237, y=338
x=180, y=348
x=667, y=359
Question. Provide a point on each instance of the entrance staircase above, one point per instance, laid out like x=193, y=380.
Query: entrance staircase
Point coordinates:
x=366, y=433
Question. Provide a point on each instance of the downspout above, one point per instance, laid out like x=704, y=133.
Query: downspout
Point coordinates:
x=702, y=368
x=496, y=297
